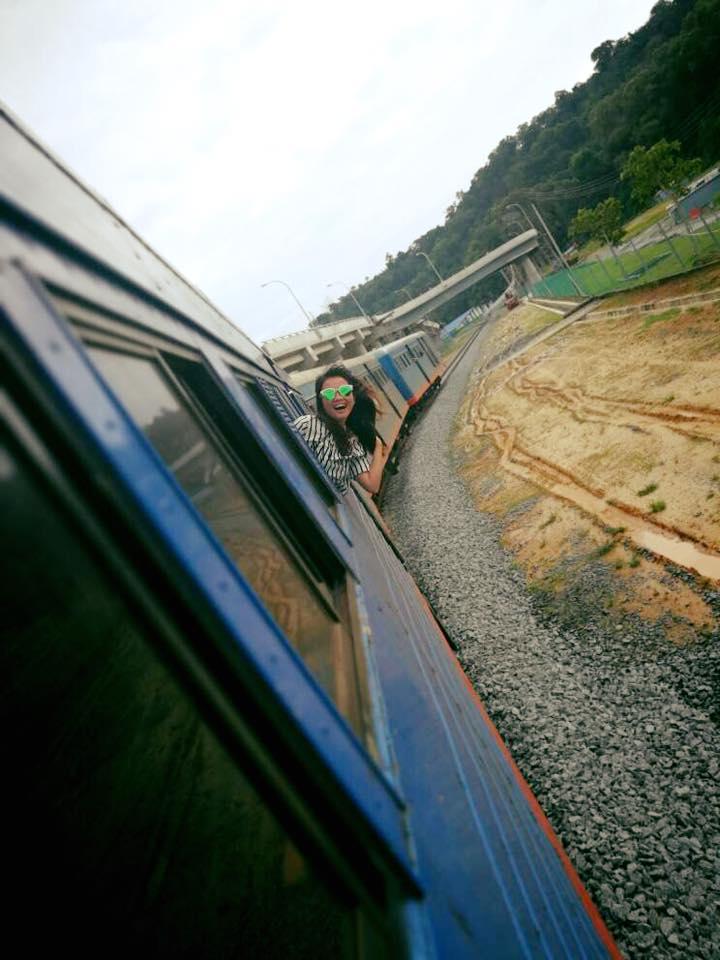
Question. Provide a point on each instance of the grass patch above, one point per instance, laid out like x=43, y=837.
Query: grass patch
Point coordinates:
x=590, y=247
x=669, y=398
x=658, y=317
x=458, y=340
x=553, y=582
x=619, y=564
x=613, y=531
x=644, y=220
x=604, y=550
x=657, y=506
x=634, y=562
x=650, y=488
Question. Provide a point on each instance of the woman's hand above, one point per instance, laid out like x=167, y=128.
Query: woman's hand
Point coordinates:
x=373, y=478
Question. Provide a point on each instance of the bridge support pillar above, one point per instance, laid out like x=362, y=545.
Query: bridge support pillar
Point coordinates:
x=525, y=273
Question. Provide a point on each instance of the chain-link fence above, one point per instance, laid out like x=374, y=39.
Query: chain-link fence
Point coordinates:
x=664, y=250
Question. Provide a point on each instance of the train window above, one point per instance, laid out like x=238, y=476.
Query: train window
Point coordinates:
x=133, y=829
x=306, y=608
x=288, y=408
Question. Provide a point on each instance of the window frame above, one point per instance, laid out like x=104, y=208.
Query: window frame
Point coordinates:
x=296, y=711
x=334, y=596
x=92, y=323
x=322, y=590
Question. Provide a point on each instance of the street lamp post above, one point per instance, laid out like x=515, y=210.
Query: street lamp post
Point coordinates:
x=339, y=283
x=420, y=253
x=552, y=240
x=308, y=316
x=522, y=211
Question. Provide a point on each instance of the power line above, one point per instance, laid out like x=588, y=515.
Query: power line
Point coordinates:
x=588, y=188
x=574, y=193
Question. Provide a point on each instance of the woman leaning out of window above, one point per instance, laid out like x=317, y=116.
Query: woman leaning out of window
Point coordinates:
x=342, y=434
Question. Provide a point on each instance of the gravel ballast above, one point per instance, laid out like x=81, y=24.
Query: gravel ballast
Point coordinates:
x=616, y=730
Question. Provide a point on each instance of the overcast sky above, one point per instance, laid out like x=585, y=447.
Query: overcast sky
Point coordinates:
x=298, y=141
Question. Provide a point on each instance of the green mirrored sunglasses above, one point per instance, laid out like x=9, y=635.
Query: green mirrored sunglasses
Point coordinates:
x=329, y=392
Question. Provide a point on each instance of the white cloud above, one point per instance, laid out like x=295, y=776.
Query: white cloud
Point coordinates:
x=252, y=140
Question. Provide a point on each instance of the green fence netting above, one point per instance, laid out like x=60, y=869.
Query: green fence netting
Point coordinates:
x=634, y=267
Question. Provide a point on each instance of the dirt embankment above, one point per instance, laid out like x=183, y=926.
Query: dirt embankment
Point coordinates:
x=602, y=445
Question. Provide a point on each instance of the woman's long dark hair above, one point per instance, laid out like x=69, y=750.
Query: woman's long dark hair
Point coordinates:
x=362, y=419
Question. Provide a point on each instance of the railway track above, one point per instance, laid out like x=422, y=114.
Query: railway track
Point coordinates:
x=615, y=729
x=459, y=355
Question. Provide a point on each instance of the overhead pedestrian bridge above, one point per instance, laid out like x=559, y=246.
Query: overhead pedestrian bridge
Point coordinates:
x=332, y=342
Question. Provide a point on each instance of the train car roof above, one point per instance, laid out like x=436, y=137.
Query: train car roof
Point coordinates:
x=38, y=192
x=299, y=377
x=401, y=342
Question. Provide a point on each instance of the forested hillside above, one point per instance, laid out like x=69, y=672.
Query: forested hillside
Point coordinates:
x=661, y=81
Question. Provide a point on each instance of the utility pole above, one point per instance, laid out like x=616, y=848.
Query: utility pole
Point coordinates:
x=543, y=251
x=551, y=238
x=341, y=283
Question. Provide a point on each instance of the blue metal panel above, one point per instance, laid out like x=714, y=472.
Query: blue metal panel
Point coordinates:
x=80, y=394
x=495, y=885
x=415, y=377
x=388, y=365
x=701, y=197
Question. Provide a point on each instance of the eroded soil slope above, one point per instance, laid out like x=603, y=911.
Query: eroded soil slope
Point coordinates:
x=603, y=443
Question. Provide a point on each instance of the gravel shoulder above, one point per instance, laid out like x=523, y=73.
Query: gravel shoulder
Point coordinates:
x=614, y=727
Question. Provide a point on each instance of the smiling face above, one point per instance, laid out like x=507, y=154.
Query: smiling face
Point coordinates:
x=339, y=408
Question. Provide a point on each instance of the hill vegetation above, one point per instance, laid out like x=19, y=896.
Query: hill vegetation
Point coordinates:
x=660, y=82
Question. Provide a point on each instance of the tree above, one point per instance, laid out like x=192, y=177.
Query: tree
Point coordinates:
x=582, y=225
x=602, y=55
x=608, y=219
x=603, y=222
x=659, y=167
x=659, y=80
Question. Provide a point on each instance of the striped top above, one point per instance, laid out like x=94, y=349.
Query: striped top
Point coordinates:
x=341, y=468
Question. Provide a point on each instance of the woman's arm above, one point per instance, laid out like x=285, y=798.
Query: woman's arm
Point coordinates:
x=371, y=479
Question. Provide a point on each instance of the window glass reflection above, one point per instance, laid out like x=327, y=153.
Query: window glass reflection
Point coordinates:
x=217, y=491
x=133, y=831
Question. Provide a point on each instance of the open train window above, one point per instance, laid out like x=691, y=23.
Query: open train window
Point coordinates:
x=132, y=824
x=283, y=408
x=193, y=429
x=286, y=402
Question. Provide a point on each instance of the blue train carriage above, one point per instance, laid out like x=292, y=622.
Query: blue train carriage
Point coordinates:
x=232, y=727
x=413, y=366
